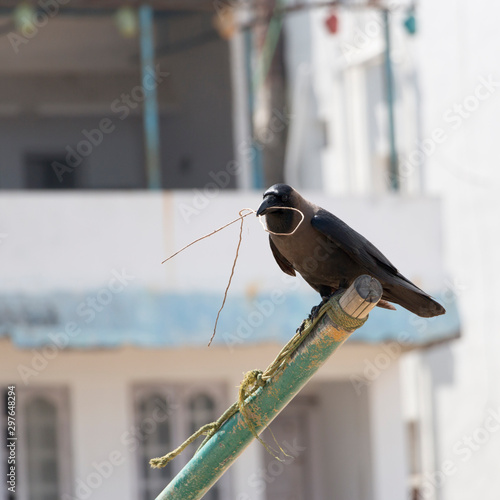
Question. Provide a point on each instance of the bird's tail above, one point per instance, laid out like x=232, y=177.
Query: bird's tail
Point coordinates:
x=415, y=300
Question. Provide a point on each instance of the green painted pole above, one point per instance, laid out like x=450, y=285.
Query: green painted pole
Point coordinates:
x=342, y=316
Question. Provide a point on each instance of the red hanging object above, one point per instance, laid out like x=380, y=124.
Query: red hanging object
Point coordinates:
x=332, y=23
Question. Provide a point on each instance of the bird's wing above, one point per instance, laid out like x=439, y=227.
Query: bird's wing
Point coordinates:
x=351, y=242
x=396, y=286
x=286, y=267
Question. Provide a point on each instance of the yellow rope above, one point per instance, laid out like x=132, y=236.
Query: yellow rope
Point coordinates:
x=158, y=463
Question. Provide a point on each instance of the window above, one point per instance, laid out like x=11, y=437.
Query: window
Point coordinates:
x=156, y=441
x=44, y=458
x=41, y=447
x=298, y=477
x=165, y=415
x=202, y=410
x=49, y=172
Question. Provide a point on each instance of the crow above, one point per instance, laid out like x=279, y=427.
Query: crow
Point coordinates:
x=330, y=255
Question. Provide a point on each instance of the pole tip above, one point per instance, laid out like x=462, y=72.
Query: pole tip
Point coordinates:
x=361, y=297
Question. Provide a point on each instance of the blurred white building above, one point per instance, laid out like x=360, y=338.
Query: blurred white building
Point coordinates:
x=107, y=348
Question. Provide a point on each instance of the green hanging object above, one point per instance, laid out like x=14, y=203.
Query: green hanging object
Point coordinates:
x=127, y=22
x=410, y=22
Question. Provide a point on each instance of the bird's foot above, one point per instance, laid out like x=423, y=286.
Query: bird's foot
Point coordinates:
x=316, y=309
x=302, y=326
x=314, y=312
x=324, y=299
x=339, y=291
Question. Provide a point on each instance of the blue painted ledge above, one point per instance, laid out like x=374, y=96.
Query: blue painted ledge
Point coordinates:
x=166, y=320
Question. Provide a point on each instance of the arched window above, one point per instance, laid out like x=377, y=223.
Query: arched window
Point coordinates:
x=155, y=435
x=44, y=470
x=165, y=415
x=42, y=449
x=202, y=410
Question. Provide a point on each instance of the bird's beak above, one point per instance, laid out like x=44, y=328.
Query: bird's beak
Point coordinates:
x=265, y=205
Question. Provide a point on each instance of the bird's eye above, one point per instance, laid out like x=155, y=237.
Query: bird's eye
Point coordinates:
x=284, y=198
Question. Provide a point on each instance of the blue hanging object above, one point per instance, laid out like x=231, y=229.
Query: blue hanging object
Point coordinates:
x=410, y=22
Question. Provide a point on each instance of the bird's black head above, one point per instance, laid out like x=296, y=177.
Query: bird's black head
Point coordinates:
x=278, y=200
x=279, y=195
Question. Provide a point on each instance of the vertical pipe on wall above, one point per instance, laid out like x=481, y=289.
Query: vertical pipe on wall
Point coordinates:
x=151, y=119
x=389, y=85
x=256, y=154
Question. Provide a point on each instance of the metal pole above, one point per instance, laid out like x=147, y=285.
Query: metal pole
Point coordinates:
x=389, y=85
x=151, y=119
x=219, y=453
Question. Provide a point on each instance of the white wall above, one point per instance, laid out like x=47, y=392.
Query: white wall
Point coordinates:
x=74, y=240
x=457, y=51
x=390, y=470
x=338, y=133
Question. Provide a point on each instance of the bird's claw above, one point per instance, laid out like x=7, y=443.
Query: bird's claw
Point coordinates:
x=316, y=309
x=302, y=326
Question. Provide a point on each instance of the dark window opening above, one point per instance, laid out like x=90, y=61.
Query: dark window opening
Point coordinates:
x=44, y=171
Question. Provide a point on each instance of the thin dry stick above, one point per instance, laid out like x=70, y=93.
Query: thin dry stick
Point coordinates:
x=232, y=273
x=240, y=218
x=213, y=232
